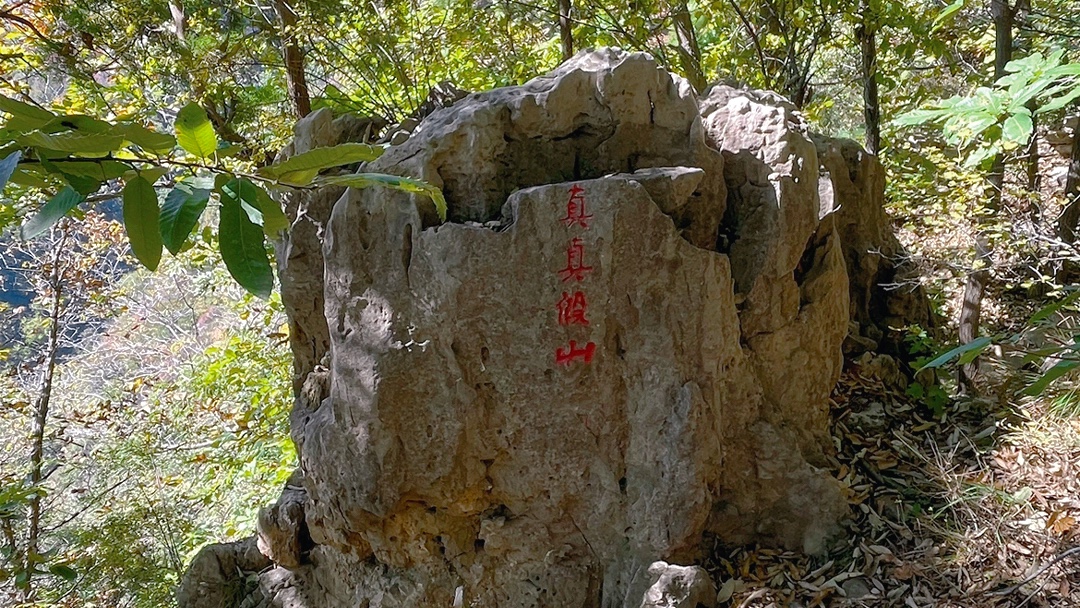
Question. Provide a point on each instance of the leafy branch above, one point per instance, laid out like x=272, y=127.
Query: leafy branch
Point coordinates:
x=75, y=156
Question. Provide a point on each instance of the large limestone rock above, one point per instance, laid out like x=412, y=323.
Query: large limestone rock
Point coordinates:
x=483, y=435
x=886, y=295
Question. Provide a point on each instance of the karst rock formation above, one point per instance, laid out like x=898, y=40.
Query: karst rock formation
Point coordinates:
x=621, y=343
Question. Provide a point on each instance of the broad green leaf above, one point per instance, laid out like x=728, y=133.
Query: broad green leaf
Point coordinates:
x=946, y=12
x=274, y=220
x=101, y=171
x=226, y=150
x=247, y=193
x=74, y=143
x=33, y=176
x=151, y=141
x=183, y=206
x=64, y=572
x=151, y=174
x=1025, y=92
x=194, y=131
x=1045, y=312
x=302, y=168
x=1017, y=128
x=82, y=184
x=977, y=346
x=1060, y=102
x=365, y=180
x=56, y=208
x=918, y=117
x=27, y=113
x=17, y=125
x=241, y=243
x=77, y=122
x=141, y=214
x=1055, y=372
x=7, y=167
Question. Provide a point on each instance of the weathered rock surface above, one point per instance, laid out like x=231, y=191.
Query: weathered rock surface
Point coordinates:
x=299, y=253
x=885, y=293
x=451, y=457
x=679, y=587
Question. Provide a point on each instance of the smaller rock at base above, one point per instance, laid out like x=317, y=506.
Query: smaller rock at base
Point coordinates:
x=679, y=587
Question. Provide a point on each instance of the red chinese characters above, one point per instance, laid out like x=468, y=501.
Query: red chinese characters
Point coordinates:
x=575, y=209
x=572, y=307
x=575, y=262
x=566, y=356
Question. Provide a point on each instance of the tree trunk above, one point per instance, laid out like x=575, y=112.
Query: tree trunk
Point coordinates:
x=295, y=80
x=1066, y=228
x=689, y=51
x=41, y=414
x=866, y=34
x=1032, y=184
x=975, y=287
x=566, y=31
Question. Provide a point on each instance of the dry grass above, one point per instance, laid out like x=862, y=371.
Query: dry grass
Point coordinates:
x=947, y=512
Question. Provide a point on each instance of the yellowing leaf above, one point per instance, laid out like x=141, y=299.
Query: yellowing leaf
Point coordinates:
x=194, y=131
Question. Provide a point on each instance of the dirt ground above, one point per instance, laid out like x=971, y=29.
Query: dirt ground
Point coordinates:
x=975, y=506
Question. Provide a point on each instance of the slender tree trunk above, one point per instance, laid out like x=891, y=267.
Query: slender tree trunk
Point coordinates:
x=566, y=30
x=1032, y=184
x=689, y=51
x=975, y=287
x=1070, y=216
x=866, y=34
x=295, y=80
x=41, y=412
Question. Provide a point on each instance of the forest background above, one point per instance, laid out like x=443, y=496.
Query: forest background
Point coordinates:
x=144, y=414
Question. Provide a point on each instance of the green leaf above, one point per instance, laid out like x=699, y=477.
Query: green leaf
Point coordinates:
x=946, y=12
x=33, y=176
x=101, y=171
x=976, y=346
x=1045, y=312
x=28, y=113
x=73, y=142
x=183, y=206
x=1017, y=128
x=150, y=174
x=56, y=208
x=151, y=141
x=1055, y=372
x=7, y=167
x=194, y=131
x=302, y=168
x=405, y=184
x=141, y=221
x=77, y=122
x=1062, y=101
x=274, y=220
x=65, y=572
x=241, y=242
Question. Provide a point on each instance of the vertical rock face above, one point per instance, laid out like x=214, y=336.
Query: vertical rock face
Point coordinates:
x=623, y=340
x=886, y=294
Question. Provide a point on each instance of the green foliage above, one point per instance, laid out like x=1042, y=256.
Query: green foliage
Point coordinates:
x=194, y=132
x=241, y=238
x=57, y=207
x=995, y=120
x=141, y=221
x=87, y=154
x=365, y=180
x=301, y=169
x=180, y=212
